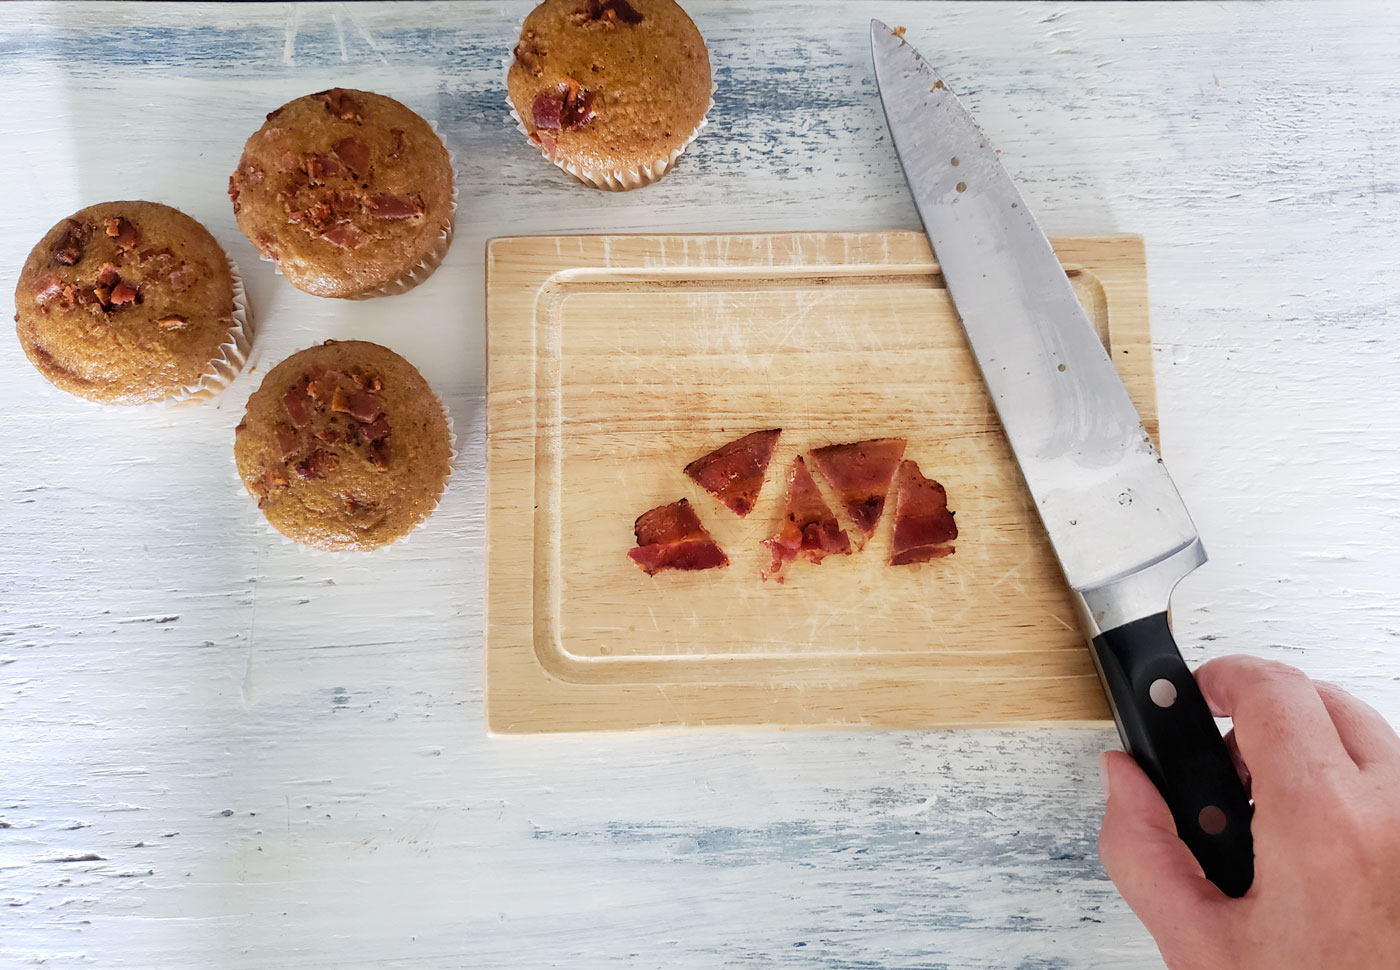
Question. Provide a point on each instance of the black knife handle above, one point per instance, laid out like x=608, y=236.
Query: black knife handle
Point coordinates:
x=1167, y=727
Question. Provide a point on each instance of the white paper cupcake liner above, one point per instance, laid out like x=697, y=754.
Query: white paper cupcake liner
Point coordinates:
x=426, y=266
x=610, y=180
x=232, y=355
x=362, y=553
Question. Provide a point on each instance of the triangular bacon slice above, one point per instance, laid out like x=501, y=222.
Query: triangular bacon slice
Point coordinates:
x=861, y=473
x=671, y=537
x=923, y=526
x=734, y=473
x=809, y=528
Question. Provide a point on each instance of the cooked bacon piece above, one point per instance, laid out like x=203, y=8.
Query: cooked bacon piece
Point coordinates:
x=298, y=405
x=108, y=275
x=568, y=107
x=923, y=526
x=608, y=11
x=183, y=277
x=345, y=235
x=287, y=440
x=122, y=294
x=318, y=464
x=121, y=230
x=319, y=166
x=354, y=154
x=860, y=473
x=734, y=473
x=809, y=528
x=69, y=248
x=339, y=103
x=376, y=429
x=49, y=287
x=671, y=537
x=394, y=206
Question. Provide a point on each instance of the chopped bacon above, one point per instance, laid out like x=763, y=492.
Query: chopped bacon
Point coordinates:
x=103, y=295
x=345, y=235
x=363, y=406
x=122, y=294
x=328, y=435
x=288, y=440
x=318, y=464
x=548, y=110
x=547, y=140
x=671, y=537
x=354, y=154
x=394, y=206
x=608, y=11
x=734, y=473
x=297, y=404
x=923, y=526
x=269, y=481
x=339, y=103
x=183, y=277
x=49, y=287
x=376, y=430
x=568, y=107
x=68, y=250
x=379, y=454
x=121, y=230
x=861, y=473
x=234, y=188
x=319, y=166
x=809, y=528
x=108, y=275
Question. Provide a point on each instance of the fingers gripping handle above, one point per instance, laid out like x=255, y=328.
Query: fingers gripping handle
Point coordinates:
x=1167, y=727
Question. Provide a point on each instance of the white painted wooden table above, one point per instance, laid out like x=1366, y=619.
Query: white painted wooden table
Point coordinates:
x=218, y=751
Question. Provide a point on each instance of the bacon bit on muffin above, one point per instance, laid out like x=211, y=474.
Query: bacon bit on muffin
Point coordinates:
x=569, y=108
x=394, y=206
x=121, y=230
x=339, y=103
x=69, y=249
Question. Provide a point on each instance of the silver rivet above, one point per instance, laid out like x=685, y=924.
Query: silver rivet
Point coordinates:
x=1162, y=692
x=1212, y=820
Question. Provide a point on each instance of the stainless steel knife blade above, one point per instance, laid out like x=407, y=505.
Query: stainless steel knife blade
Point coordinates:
x=1104, y=496
x=1119, y=528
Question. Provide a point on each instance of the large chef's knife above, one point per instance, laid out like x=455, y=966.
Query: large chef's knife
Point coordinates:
x=1118, y=526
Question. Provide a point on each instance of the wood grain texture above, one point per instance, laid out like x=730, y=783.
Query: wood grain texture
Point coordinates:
x=615, y=360
x=221, y=752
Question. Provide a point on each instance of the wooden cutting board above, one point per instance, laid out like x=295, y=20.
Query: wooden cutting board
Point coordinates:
x=615, y=360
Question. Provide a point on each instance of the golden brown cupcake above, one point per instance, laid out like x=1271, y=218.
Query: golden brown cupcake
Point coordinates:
x=349, y=192
x=130, y=303
x=612, y=91
x=344, y=446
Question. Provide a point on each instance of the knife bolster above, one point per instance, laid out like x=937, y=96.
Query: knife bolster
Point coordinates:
x=1139, y=594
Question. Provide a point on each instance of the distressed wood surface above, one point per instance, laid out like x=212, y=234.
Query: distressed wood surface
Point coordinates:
x=220, y=751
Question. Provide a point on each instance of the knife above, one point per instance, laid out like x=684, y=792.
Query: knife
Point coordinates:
x=1119, y=528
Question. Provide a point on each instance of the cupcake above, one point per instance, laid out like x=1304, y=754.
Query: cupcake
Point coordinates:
x=612, y=91
x=130, y=303
x=349, y=192
x=344, y=446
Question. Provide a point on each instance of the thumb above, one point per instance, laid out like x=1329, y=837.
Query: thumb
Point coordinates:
x=1152, y=868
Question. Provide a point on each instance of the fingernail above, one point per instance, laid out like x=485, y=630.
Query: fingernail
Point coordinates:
x=1103, y=773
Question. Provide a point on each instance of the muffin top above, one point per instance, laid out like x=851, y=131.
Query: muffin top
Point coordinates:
x=124, y=302
x=610, y=83
x=344, y=446
x=346, y=190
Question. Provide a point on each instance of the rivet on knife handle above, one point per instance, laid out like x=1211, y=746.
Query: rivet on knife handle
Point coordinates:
x=1167, y=727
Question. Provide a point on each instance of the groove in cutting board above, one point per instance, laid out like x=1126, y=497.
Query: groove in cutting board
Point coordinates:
x=614, y=361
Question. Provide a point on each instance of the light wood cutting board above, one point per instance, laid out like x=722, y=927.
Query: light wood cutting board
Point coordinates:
x=615, y=360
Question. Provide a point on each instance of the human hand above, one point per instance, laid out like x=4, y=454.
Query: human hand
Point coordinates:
x=1323, y=769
